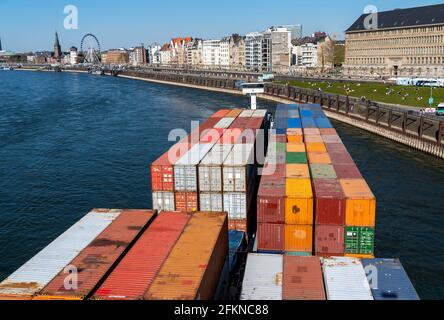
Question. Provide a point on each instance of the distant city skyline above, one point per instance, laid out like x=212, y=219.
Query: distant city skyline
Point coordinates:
x=31, y=27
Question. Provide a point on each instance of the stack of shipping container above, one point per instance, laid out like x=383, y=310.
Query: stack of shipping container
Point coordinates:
x=214, y=170
x=129, y=255
x=284, y=277
x=312, y=198
x=285, y=199
x=345, y=207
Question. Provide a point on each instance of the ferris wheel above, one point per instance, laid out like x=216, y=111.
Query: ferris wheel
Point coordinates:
x=90, y=48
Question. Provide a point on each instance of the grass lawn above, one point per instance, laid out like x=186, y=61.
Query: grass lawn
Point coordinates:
x=388, y=93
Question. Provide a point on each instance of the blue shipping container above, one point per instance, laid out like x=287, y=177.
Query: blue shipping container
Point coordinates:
x=392, y=282
x=306, y=113
x=323, y=123
x=293, y=114
x=308, y=123
x=294, y=123
x=236, y=244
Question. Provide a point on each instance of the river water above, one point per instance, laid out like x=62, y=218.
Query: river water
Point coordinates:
x=73, y=142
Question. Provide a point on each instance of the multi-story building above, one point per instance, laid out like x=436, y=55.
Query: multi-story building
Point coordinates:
x=165, y=55
x=405, y=42
x=280, y=49
x=237, y=52
x=195, y=53
x=211, y=53
x=154, y=54
x=316, y=51
x=73, y=56
x=225, y=53
x=116, y=57
x=138, y=56
x=178, y=50
x=295, y=30
x=253, y=51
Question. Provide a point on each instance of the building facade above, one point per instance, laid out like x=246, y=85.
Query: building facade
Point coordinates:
x=116, y=57
x=280, y=50
x=237, y=52
x=138, y=56
x=211, y=53
x=73, y=56
x=405, y=42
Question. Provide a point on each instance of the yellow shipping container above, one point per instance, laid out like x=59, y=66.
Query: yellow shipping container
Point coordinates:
x=316, y=147
x=297, y=171
x=296, y=147
x=299, y=238
x=319, y=158
x=299, y=202
x=295, y=138
x=234, y=113
x=313, y=139
x=194, y=266
x=361, y=203
x=360, y=256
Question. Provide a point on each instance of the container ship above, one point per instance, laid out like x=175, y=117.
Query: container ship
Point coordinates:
x=242, y=206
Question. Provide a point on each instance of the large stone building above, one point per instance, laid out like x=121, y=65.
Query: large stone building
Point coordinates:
x=402, y=42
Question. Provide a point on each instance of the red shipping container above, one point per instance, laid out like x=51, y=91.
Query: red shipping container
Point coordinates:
x=238, y=225
x=330, y=202
x=302, y=279
x=347, y=171
x=211, y=135
x=230, y=136
x=271, y=237
x=341, y=158
x=240, y=123
x=335, y=148
x=221, y=113
x=162, y=170
x=273, y=171
x=328, y=132
x=255, y=123
x=279, y=138
x=95, y=261
x=187, y=202
x=271, y=201
x=137, y=270
x=329, y=240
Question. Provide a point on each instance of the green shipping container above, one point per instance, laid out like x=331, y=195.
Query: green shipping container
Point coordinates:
x=323, y=171
x=359, y=240
x=298, y=254
x=296, y=158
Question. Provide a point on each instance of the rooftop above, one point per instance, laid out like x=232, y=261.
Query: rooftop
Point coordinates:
x=402, y=18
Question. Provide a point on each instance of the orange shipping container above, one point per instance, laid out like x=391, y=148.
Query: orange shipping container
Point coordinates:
x=360, y=256
x=299, y=202
x=295, y=147
x=319, y=158
x=361, y=203
x=299, y=238
x=233, y=113
x=291, y=138
x=297, y=171
x=316, y=147
x=194, y=267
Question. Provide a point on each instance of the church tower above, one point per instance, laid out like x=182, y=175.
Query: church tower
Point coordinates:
x=57, y=49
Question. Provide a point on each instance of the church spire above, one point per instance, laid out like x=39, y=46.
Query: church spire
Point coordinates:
x=57, y=48
x=1, y=49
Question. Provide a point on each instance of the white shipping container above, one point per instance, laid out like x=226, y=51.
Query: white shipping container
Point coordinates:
x=224, y=123
x=259, y=114
x=246, y=114
x=345, y=279
x=185, y=170
x=263, y=278
x=237, y=168
x=210, y=169
x=235, y=204
x=163, y=201
x=211, y=202
x=35, y=274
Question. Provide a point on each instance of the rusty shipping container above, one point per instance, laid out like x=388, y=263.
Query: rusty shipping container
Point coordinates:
x=187, y=201
x=302, y=279
x=330, y=202
x=193, y=269
x=271, y=237
x=271, y=201
x=361, y=203
x=136, y=272
x=299, y=238
x=329, y=240
x=162, y=170
x=100, y=257
x=35, y=274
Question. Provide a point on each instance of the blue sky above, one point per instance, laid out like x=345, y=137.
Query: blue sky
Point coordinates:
x=30, y=25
